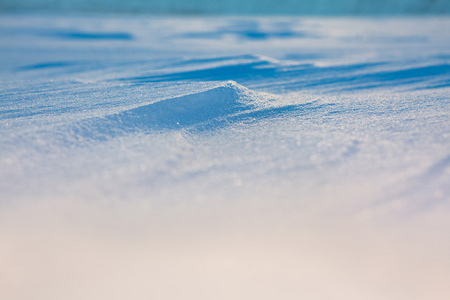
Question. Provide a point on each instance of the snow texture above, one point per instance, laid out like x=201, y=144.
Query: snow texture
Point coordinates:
x=147, y=157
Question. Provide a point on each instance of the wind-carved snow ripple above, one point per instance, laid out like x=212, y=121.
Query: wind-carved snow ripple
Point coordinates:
x=275, y=76
x=206, y=110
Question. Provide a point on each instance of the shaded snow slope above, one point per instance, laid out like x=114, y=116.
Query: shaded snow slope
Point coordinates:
x=214, y=105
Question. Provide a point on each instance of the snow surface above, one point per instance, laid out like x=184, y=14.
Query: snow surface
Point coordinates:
x=224, y=158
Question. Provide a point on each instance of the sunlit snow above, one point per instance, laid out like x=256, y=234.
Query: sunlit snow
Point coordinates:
x=224, y=157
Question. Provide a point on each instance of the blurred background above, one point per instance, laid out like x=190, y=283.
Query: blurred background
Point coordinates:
x=237, y=7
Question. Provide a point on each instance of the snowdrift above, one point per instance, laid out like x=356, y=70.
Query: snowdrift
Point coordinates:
x=207, y=109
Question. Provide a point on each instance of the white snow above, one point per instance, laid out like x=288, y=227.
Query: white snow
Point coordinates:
x=224, y=158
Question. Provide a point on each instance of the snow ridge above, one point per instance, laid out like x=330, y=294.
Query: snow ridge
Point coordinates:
x=214, y=105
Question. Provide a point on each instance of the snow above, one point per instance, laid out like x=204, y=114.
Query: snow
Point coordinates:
x=147, y=157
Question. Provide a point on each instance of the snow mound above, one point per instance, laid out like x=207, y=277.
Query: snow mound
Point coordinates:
x=213, y=105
